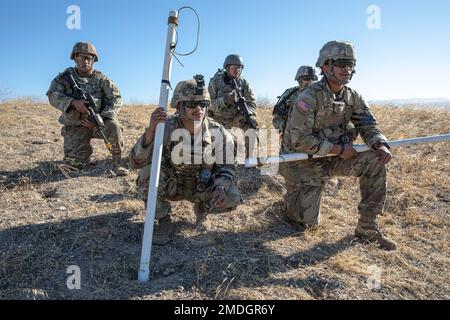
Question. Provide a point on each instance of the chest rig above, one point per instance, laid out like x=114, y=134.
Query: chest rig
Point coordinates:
x=90, y=85
x=332, y=116
x=193, y=174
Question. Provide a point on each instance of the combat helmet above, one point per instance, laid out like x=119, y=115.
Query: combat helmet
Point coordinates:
x=333, y=51
x=336, y=50
x=84, y=47
x=306, y=71
x=189, y=90
x=233, y=59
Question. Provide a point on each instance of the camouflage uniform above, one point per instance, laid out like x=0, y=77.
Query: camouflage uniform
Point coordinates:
x=77, y=137
x=226, y=114
x=77, y=147
x=314, y=131
x=320, y=119
x=179, y=181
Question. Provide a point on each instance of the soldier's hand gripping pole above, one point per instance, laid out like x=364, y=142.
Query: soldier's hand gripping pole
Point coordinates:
x=144, y=268
x=253, y=162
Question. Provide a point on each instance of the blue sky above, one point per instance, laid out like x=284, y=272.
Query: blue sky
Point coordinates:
x=408, y=57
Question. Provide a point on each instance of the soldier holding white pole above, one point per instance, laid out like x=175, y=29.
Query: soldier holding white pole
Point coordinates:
x=144, y=268
x=319, y=124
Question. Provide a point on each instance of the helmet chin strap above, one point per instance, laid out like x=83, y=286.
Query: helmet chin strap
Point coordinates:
x=181, y=111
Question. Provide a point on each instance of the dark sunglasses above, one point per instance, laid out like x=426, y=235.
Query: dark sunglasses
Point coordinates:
x=194, y=104
x=306, y=78
x=342, y=64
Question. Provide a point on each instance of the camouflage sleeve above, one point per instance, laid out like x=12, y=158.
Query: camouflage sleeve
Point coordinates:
x=278, y=122
x=365, y=122
x=291, y=101
x=280, y=111
x=57, y=97
x=140, y=155
x=217, y=103
x=225, y=172
x=300, y=126
x=112, y=100
x=249, y=97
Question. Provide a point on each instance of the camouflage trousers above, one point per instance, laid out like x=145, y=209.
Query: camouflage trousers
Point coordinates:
x=170, y=189
x=305, y=181
x=77, y=140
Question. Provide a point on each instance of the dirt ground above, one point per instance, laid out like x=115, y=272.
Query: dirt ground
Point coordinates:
x=52, y=218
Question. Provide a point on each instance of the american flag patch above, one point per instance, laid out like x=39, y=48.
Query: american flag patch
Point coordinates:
x=303, y=106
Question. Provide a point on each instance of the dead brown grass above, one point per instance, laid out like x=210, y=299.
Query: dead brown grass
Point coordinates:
x=52, y=218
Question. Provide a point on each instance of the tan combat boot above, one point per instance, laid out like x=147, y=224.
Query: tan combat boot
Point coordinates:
x=203, y=224
x=163, y=231
x=118, y=169
x=369, y=231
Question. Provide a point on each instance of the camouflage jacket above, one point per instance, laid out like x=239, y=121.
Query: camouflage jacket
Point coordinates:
x=320, y=119
x=105, y=92
x=220, y=85
x=208, y=156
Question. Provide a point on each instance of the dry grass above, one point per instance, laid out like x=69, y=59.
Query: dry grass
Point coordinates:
x=52, y=218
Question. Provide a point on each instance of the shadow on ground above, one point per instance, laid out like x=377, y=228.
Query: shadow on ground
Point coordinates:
x=52, y=171
x=34, y=260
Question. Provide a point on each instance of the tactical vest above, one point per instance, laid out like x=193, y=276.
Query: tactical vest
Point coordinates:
x=91, y=87
x=332, y=116
x=186, y=175
x=223, y=82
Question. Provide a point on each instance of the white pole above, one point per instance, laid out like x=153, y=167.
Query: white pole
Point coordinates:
x=253, y=162
x=144, y=268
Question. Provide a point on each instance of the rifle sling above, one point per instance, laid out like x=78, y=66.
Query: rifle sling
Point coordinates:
x=65, y=76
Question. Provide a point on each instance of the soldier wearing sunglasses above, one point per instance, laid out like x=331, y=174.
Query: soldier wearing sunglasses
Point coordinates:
x=203, y=177
x=319, y=125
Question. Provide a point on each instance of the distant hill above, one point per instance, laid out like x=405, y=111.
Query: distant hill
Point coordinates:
x=421, y=102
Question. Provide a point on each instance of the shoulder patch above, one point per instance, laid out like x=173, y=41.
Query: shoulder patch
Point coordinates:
x=303, y=106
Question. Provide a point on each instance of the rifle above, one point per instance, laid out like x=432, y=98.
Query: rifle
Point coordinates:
x=95, y=118
x=242, y=105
